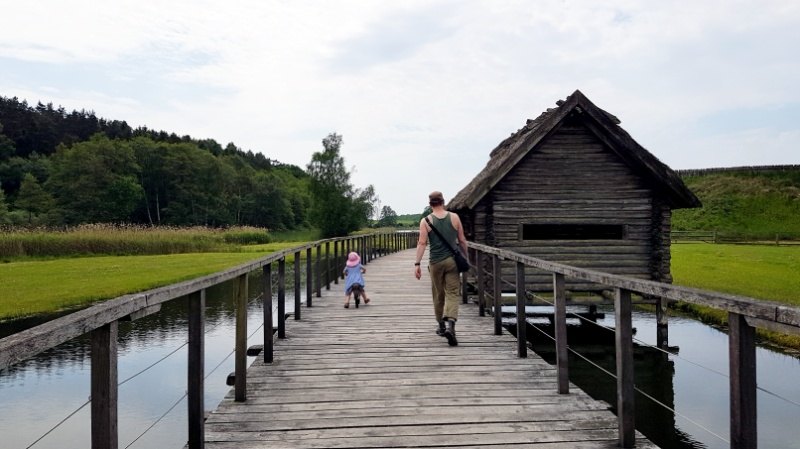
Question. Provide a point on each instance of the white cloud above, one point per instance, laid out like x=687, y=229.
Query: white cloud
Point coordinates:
x=418, y=87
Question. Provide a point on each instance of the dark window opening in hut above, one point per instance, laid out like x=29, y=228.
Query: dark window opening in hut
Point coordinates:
x=572, y=232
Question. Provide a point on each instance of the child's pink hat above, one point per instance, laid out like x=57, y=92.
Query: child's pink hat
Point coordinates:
x=353, y=259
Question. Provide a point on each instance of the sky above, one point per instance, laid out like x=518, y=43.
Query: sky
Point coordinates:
x=421, y=91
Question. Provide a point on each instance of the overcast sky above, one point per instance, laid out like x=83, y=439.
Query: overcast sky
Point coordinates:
x=421, y=91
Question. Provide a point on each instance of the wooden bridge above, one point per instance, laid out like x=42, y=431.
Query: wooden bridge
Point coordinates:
x=378, y=376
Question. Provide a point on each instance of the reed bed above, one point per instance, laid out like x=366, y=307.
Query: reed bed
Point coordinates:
x=125, y=240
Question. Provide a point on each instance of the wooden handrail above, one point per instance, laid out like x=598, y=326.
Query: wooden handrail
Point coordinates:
x=23, y=345
x=101, y=322
x=744, y=315
x=763, y=313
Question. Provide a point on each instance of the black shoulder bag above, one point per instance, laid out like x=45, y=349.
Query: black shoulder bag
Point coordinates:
x=461, y=262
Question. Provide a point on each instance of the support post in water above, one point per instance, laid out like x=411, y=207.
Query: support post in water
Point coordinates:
x=624, y=349
x=104, y=392
x=196, y=370
x=743, y=382
x=662, y=321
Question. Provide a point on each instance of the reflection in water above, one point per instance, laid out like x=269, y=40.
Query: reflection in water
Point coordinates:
x=698, y=393
x=38, y=393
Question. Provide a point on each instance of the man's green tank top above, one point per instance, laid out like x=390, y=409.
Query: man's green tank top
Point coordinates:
x=440, y=250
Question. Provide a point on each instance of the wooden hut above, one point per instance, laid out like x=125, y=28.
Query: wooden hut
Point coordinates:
x=573, y=187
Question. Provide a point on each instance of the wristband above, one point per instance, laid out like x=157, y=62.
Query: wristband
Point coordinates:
x=416, y=264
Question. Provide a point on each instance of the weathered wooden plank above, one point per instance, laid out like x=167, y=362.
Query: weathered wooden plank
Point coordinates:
x=353, y=378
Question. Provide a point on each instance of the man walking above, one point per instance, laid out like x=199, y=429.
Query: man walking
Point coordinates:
x=442, y=266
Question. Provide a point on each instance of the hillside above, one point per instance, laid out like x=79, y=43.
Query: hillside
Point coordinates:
x=749, y=202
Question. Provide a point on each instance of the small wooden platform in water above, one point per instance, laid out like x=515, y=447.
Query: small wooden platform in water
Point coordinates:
x=379, y=377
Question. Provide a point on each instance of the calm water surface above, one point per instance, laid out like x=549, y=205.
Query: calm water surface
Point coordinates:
x=693, y=381
x=37, y=394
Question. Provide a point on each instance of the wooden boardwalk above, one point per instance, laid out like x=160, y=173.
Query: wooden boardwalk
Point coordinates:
x=378, y=377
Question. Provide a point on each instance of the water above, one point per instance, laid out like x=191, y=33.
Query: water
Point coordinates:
x=40, y=392
x=693, y=381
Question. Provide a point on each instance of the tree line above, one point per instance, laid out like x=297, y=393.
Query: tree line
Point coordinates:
x=66, y=168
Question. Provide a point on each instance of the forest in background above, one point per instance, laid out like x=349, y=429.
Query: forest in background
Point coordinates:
x=64, y=168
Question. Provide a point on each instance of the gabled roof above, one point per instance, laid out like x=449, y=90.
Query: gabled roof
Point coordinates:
x=665, y=182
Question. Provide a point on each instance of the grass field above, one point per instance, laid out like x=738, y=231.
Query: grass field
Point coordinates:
x=45, y=286
x=762, y=272
x=765, y=272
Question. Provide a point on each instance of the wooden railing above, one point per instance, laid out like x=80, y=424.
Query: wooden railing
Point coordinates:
x=101, y=321
x=744, y=315
x=693, y=236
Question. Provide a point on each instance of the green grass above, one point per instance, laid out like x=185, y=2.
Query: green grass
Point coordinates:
x=765, y=272
x=46, y=286
x=761, y=272
x=744, y=204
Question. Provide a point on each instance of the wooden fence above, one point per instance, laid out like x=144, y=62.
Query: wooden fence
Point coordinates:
x=101, y=320
x=744, y=315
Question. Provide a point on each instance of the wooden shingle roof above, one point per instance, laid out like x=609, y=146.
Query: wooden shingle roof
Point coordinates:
x=663, y=180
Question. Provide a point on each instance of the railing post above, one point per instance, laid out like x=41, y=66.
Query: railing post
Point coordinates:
x=309, y=278
x=624, y=354
x=479, y=280
x=297, y=300
x=497, y=293
x=662, y=323
x=327, y=265
x=522, y=344
x=742, y=353
x=336, y=262
x=269, y=321
x=464, y=276
x=282, y=297
x=104, y=391
x=560, y=321
x=240, y=299
x=347, y=244
x=318, y=270
x=196, y=370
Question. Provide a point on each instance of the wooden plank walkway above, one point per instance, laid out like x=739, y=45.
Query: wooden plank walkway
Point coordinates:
x=378, y=377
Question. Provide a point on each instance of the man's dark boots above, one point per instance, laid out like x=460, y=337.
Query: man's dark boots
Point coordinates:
x=440, y=329
x=450, y=333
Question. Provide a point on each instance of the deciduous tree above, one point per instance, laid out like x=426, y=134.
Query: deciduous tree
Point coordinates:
x=32, y=198
x=337, y=208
